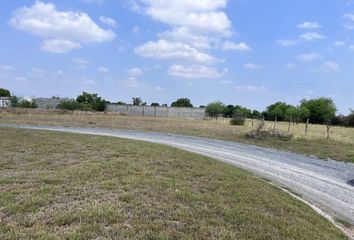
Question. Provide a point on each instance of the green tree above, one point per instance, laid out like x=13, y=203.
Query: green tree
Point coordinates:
x=137, y=101
x=182, y=102
x=321, y=110
x=92, y=101
x=20, y=102
x=155, y=105
x=215, y=109
x=242, y=111
x=229, y=111
x=276, y=111
x=4, y=92
x=256, y=114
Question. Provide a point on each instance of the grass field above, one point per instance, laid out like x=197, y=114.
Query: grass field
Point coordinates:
x=339, y=147
x=68, y=186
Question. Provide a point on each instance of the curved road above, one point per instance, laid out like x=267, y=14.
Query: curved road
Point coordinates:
x=328, y=185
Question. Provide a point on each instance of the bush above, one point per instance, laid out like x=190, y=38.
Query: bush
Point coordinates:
x=271, y=134
x=22, y=103
x=70, y=105
x=237, y=120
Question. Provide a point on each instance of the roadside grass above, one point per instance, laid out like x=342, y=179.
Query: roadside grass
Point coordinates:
x=339, y=147
x=70, y=186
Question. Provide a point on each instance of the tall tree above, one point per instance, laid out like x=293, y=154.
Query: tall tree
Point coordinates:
x=137, y=101
x=215, y=109
x=182, y=102
x=4, y=92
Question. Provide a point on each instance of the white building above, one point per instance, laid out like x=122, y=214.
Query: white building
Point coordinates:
x=4, y=102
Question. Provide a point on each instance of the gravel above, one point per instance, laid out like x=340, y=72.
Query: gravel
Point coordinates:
x=325, y=184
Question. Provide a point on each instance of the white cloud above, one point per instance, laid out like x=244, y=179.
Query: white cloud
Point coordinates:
x=103, y=70
x=226, y=82
x=135, y=30
x=59, y=46
x=291, y=66
x=251, y=89
x=349, y=25
x=157, y=88
x=311, y=36
x=252, y=66
x=65, y=29
x=93, y=1
x=309, y=57
x=195, y=26
x=193, y=72
x=186, y=35
x=163, y=49
x=328, y=67
x=203, y=15
x=309, y=25
x=136, y=84
x=87, y=81
x=81, y=63
x=349, y=16
x=134, y=72
x=108, y=21
x=241, y=47
x=286, y=42
x=340, y=43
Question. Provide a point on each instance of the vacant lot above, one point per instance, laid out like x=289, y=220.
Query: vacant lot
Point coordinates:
x=58, y=185
x=339, y=147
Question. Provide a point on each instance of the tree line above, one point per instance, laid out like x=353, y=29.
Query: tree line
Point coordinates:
x=318, y=111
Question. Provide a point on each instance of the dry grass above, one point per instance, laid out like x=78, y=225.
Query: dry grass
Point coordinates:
x=68, y=186
x=339, y=147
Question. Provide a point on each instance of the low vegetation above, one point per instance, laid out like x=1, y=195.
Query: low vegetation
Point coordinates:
x=68, y=186
x=85, y=102
x=314, y=142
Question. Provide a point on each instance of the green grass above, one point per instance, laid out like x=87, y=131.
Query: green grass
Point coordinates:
x=339, y=147
x=69, y=186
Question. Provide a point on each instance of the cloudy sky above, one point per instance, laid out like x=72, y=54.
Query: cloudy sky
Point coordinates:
x=246, y=52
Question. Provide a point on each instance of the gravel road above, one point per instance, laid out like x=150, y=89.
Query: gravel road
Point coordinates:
x=325, y=184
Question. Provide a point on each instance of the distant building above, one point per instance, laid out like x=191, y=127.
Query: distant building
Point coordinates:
x=5, y=102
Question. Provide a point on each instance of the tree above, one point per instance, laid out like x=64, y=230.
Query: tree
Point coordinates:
x=155, y=105
x=242, y=111
x=276, y=111
x=4, y=92
x=256, y=114
x=215, y=109
x=182, y=102
x=22, y=102
x=321, y=110
x=350, y=119
x=137, y=101
x=92, y=101
x=121, y=103
x=229, y=111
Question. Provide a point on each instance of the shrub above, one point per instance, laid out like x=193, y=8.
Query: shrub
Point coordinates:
x=237, y=120
x=20, y=102
x=70, y=105
x=271, y=134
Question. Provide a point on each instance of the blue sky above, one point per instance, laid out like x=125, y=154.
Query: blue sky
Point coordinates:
x=247, y=52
